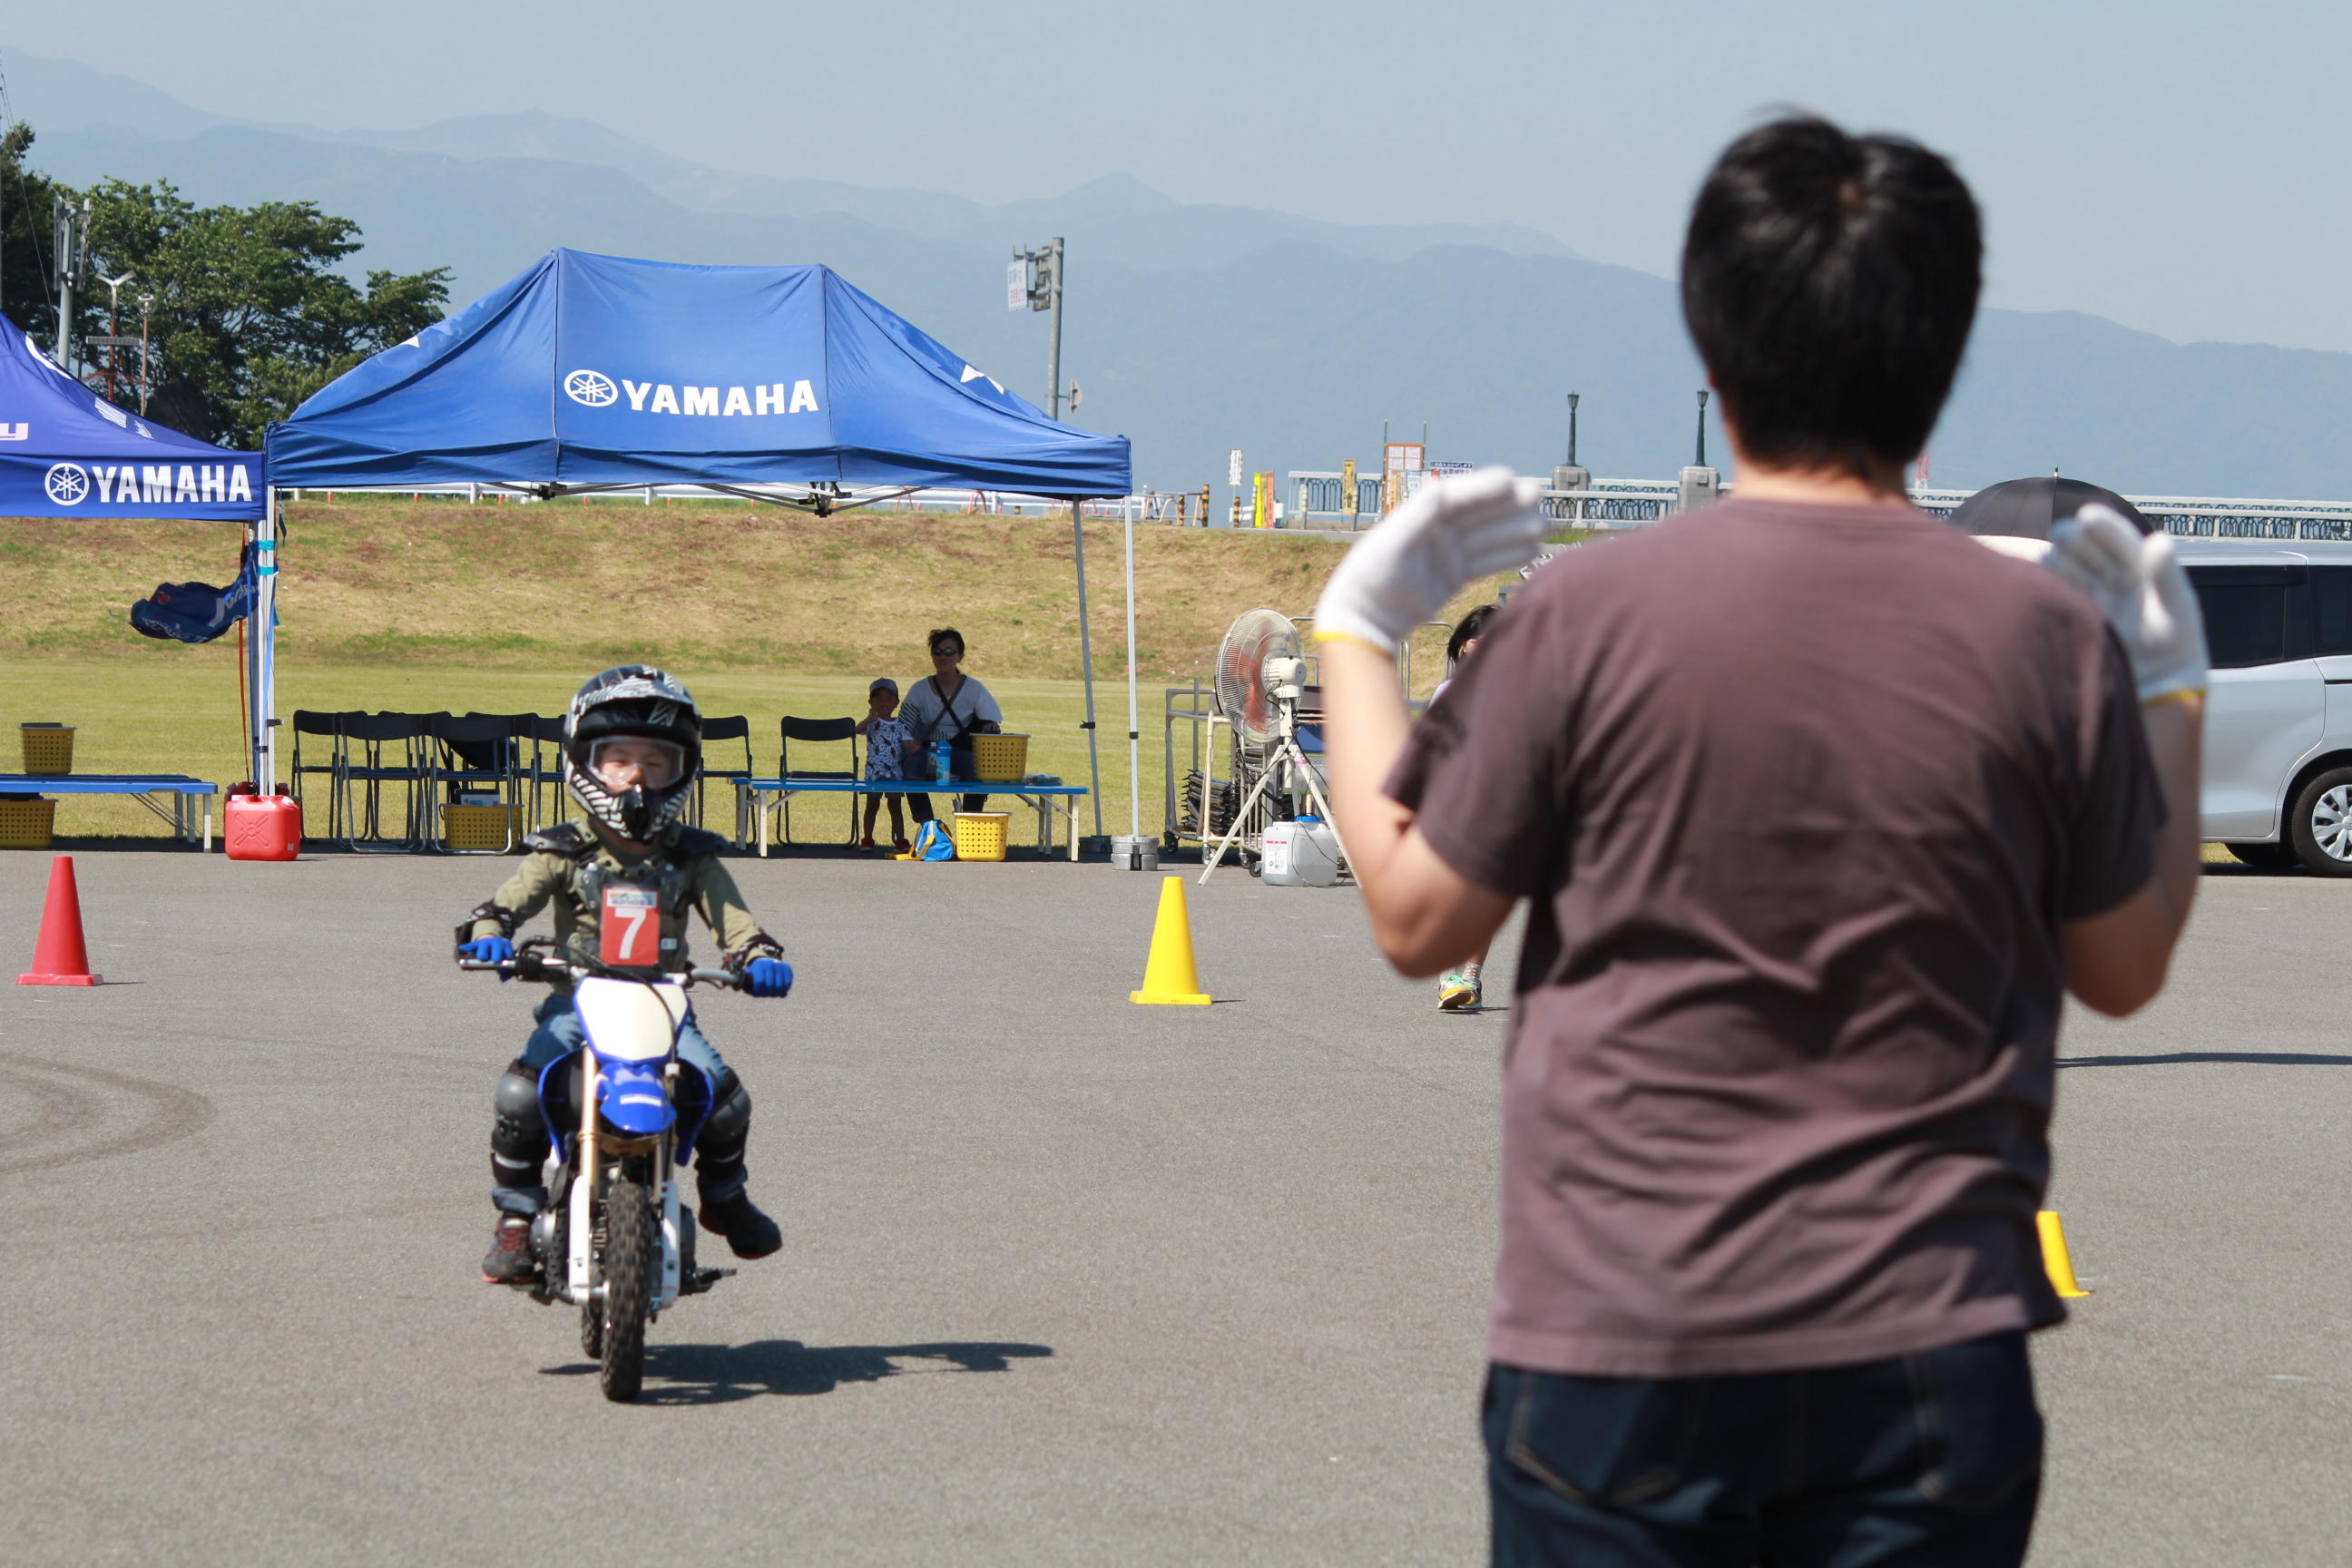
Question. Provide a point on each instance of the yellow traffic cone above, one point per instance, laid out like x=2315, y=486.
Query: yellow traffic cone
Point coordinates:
x=2054, y=1261
x=1169, y=977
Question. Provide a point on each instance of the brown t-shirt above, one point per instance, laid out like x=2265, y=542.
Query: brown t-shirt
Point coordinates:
x=1799, y=796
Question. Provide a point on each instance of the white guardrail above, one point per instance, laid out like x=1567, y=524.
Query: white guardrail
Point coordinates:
x=1318, y=503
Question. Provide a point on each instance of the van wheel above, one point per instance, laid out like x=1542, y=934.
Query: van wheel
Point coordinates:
x=2265, y=856
x=2320, y=828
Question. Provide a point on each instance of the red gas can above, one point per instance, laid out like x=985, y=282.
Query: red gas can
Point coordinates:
x=261, y=827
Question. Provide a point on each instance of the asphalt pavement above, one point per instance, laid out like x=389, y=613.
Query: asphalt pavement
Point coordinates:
x=1066, y=1281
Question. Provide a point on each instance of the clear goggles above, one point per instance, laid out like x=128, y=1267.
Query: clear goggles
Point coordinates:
x=625, y=761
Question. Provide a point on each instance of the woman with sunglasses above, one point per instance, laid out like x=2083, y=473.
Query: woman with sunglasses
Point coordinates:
x=946, y=705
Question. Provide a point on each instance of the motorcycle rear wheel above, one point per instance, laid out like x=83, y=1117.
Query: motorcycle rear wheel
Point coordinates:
x=628, y=1287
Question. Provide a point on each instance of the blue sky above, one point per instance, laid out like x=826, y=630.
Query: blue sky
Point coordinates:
x=2177, y=168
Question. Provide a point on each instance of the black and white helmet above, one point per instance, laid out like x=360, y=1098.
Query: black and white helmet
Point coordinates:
x=633, y=702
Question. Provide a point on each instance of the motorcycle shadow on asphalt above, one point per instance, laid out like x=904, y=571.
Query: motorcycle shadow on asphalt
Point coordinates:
x=721, y=1375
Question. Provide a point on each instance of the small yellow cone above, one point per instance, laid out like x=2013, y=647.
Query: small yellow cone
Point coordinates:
x=1169, y=977
x=2054, y=1261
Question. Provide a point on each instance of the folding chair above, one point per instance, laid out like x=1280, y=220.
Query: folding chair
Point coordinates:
x=818, y=733
x=477, y=750
x=308, y=721
x=379, y=749
x=546, y=738
x=722, y=731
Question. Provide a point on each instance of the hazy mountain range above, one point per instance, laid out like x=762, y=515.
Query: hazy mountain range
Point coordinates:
x=1194, y=328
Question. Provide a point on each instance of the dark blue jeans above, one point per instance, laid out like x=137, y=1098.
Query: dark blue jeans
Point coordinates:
x=1924, y=1461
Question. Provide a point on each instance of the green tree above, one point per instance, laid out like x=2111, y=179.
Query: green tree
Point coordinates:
x=28, y=292
x=251, y=316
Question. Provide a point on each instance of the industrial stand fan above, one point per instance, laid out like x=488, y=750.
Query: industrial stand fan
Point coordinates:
x=1259, y=672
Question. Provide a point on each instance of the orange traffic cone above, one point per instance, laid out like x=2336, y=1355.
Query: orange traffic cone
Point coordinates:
x=1169, y=975
x=60, y=957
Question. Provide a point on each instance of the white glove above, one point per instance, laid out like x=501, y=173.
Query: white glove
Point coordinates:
x=2139, y=586
x=1456, y=531
x=2015, y=548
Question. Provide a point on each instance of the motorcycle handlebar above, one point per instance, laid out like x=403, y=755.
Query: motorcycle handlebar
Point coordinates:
x=530, y=969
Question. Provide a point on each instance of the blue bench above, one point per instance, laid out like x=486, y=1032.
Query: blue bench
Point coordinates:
x=191, y=799
x=758, y=798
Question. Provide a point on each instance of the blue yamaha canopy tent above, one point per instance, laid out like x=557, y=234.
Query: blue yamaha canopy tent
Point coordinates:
x=596, y=372
x=66, y=452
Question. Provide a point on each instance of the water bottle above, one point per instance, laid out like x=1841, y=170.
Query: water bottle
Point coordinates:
x=942, y=763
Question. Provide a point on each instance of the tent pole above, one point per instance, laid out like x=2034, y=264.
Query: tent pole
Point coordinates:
x=265, y=643
x=1134, y=761
x=1087, y=663
x=249, y=650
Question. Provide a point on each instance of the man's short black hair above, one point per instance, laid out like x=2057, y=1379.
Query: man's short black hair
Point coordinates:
x=1830, y=281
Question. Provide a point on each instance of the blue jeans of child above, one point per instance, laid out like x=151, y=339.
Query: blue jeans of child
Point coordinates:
x=1931, y=1460
x=559, y=1035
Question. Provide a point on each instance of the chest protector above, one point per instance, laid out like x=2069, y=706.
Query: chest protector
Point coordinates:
x=638, y=912
x=631, y=917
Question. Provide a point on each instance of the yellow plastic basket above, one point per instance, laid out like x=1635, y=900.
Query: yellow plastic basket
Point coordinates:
x=482, y=827
x=49, y=748
x=980, y=834
x=1000, y=759
x=27, y=824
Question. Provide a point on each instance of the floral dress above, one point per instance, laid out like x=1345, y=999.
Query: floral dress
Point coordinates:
x=886, y=749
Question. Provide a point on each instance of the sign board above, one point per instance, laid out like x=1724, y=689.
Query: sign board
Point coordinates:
x=1262, y=507
x=1402, y=465
x=1016, y=285
x=1234, y=467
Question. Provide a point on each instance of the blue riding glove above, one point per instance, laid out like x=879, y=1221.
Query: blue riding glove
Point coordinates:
x=490, y=950
x=769, y=977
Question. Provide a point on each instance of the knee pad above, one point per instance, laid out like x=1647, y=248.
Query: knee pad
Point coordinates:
x=728, y=1132
x=519, y=1137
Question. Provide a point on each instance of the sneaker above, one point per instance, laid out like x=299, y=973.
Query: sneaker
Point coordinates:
x=1457, y=992
x=509, y=1261
x=749, y=1233
x=866, y=842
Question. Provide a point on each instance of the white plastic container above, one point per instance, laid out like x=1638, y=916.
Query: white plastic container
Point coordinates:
x=1301, y=854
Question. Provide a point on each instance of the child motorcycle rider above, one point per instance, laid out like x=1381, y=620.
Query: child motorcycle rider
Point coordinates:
x=632, y=747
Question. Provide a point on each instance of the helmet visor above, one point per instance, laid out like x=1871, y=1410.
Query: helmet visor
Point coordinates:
x=624, y=762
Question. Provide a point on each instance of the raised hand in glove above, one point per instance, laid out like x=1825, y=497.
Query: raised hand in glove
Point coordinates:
x=2138, y=584
x=768, y=977
x=1454, y=532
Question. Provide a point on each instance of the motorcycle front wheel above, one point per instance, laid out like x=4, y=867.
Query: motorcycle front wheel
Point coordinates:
x=628, y=1287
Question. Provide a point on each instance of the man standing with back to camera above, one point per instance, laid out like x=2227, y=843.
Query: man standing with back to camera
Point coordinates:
x=1821, y=809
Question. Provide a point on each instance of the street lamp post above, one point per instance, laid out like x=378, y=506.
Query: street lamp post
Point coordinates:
x=1037, y=285
x=1700, y=461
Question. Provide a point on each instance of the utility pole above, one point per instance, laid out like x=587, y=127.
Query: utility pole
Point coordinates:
x=69, y=251
x=1036, y=284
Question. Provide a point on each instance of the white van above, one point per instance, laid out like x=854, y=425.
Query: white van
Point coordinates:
x=2278, y=723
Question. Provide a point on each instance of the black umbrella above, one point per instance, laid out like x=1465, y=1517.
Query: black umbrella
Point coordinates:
x=2026, y=508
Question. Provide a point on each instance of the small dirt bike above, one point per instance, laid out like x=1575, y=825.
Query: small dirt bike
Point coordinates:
x=622, y=1115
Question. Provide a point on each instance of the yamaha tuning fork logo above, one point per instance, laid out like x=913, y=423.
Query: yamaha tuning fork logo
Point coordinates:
x=594, y=389
x=67, y=483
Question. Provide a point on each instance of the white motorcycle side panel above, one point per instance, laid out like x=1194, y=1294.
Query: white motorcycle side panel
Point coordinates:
x=665, y=1291
x=627, y=1021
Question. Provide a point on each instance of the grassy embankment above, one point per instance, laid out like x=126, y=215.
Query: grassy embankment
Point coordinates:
x=431, y=605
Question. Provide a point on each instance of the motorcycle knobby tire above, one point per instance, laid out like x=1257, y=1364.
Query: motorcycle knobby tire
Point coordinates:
x=628, y=1287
